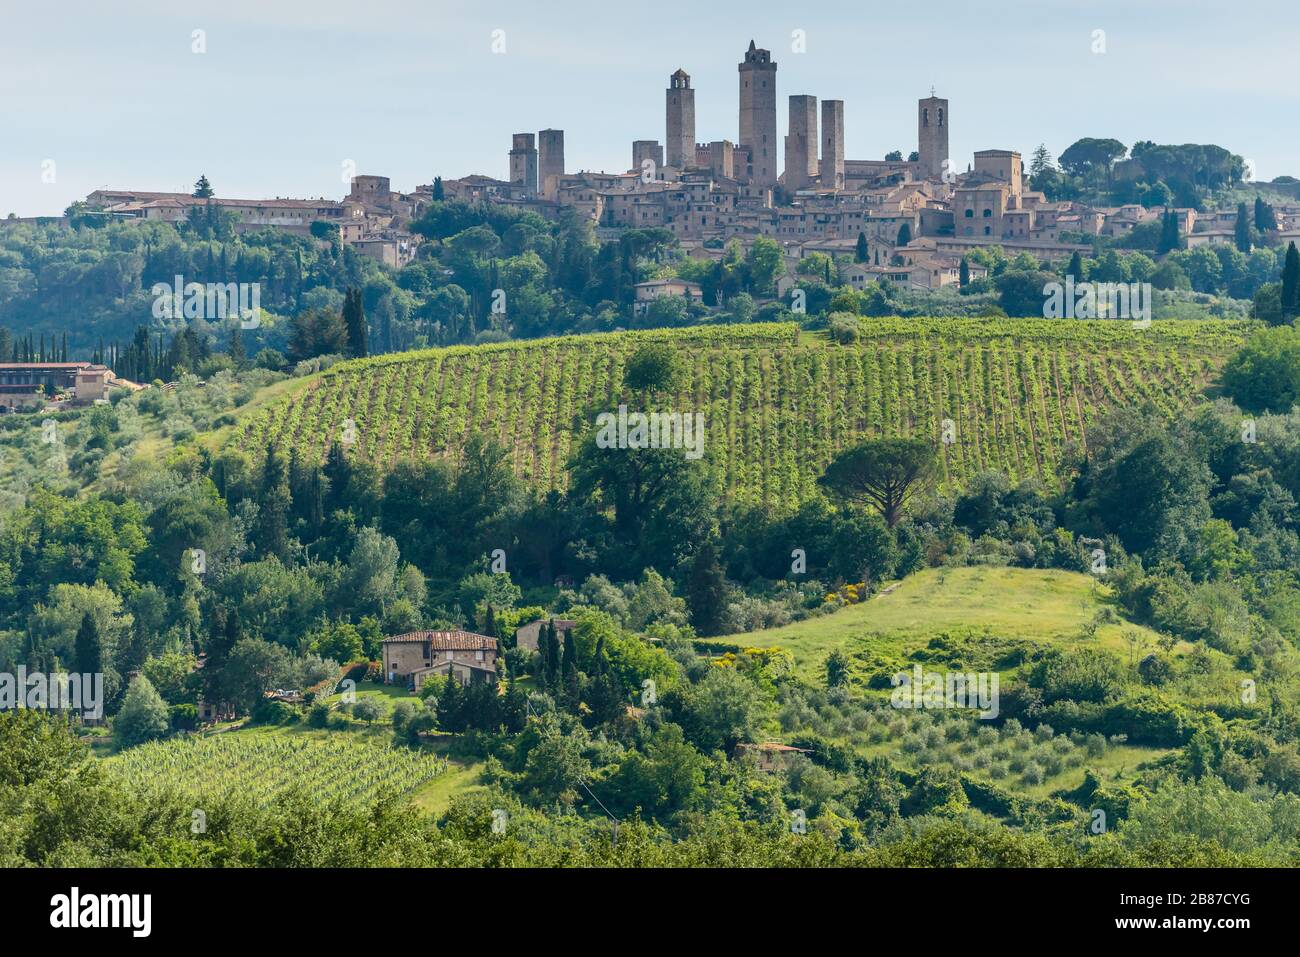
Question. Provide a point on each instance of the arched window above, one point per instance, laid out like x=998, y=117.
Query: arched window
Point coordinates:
x=988, y=214
x=925, y=117
x=970, y=214
x=941, y=117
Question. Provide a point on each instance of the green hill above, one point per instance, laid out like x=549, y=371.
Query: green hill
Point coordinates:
x=998, y=608
x=778, y=403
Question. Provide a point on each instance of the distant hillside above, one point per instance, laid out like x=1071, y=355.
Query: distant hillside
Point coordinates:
x=778, y=403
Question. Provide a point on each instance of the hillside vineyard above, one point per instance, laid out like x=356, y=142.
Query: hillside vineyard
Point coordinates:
x=778, y=404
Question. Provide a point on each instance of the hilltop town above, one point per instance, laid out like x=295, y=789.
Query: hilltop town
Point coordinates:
x=918, y=216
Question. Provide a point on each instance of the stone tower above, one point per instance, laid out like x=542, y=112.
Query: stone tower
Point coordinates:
x=523, y=162
x=932, y=135
x=550, y=156
x=801, y=143
x=680, y=145
x=758, y=116
x=643, y=150
x=832, y=166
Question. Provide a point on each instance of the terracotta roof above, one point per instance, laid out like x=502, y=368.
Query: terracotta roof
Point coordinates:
x=446, y=640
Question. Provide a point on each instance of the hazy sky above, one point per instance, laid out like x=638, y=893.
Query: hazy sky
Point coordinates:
x=98, y=93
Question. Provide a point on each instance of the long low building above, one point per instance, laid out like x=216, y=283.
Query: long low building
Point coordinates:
x=25, y=382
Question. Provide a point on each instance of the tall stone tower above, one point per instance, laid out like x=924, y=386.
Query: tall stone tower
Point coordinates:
x=832, y=167
x=932, y=134
x=550, y=156
x=523, y=162
x=680, y=145
x=758, y=115
x=801, y=143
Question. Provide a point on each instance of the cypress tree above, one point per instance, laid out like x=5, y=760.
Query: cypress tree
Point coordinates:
x=963, y=276
x=88, y=648
x=1242, y=229
x=1291, y=283
x=860, y=251
x=706, y=590
x=1170, y=238
x=354, y=319
x=1076, y=267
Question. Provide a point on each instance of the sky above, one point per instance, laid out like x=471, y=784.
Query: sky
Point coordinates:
x=289, y=96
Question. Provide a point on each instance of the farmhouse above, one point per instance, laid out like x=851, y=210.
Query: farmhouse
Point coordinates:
x=23, y=382
x=770, y=756
x=529, y=636
x=415, y=657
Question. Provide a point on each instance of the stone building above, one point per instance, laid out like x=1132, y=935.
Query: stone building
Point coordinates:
x=758, y=117
x=414, y=657
x=832, y=163
x=643, y=150
x=680, y=139
x=550, y=162
x=523, y=162
x=528, y=636
x=932, y=135
x=801, y=143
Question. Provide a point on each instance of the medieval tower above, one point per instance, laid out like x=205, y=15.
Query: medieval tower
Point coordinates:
x=680, y=146
x=932, y=135
x=550, y=157
x=832, y=166
x=801, y=143
x=523, y=162
x=758, y=115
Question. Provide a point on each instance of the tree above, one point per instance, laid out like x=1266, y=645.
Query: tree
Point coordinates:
x=882, y=472
x=1291, y=283
x=654, y=367
x=438, y=192
x=1264, y=375
x=88, y=648
x=369, y=709
x=837, y=669
x=1041, y=161
x=904, y=234
x=1242, y=229
x=273, y=506
x=1265, y=220
x=143, y=716
x=1170, y=237
x=203, y=189
x=1091, y=153
x=860, y=253
x=354, y=321
x=706, y=590
x=963, y=275
x=1075, y=268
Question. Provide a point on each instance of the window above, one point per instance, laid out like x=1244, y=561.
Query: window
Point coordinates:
x=970, y=214
x=988, y=213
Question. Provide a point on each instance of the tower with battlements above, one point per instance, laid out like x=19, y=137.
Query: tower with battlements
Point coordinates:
x=758, y=116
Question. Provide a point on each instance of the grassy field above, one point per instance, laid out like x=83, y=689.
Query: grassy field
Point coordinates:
x=1008, y=604
x=778, y=403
